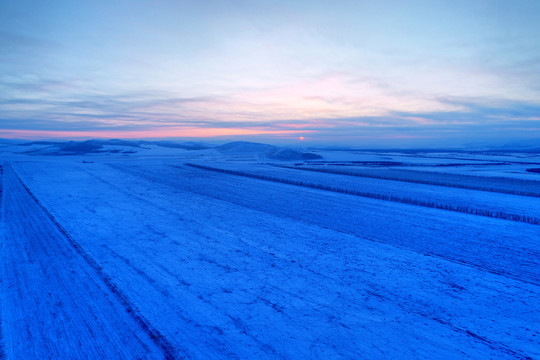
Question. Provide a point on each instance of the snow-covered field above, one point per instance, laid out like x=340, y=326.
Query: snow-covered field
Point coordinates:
x=138, y=255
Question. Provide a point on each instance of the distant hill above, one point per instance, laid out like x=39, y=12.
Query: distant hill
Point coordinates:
x=236, y=147
x=112, y=146
x=184, y=145
x=265, y=150
x=79, y=147
x=126, y=147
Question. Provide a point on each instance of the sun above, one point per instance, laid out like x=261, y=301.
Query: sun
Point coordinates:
x=301, y=138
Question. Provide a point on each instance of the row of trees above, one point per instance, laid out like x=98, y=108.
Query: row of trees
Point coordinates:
x=469, y=186
x=394, y=198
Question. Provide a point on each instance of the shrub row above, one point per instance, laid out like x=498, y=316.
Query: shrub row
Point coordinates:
x=399, y=199
x=426, y=182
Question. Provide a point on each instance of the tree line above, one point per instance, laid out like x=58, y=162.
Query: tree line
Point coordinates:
x=427, y=182
x=399, y=199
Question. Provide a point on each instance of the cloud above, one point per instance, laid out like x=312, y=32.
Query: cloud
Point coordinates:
x=147, y=114
x=15, y=42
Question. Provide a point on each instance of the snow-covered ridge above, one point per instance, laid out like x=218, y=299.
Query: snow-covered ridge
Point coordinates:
x=148, y=148
x=267, y=151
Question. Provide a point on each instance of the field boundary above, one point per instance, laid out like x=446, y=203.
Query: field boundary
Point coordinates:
x=425, y=182
x=404, y=200
x=154, y=334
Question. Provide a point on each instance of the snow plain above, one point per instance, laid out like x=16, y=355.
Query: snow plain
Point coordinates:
x=141, y=256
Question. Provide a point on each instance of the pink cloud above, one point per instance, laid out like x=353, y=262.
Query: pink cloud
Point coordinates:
x=149, y=133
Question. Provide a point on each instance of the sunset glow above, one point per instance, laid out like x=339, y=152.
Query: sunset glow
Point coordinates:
x=345, y=70
x=150, y=133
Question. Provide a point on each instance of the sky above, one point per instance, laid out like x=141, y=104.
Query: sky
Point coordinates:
x=363, y=73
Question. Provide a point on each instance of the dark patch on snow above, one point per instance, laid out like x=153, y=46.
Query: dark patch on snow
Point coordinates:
x=175, y=145
x=42, y=143
x=97, y=146
x=356, y=163
x=81, y=147
x=244, y=147
x=290, y=154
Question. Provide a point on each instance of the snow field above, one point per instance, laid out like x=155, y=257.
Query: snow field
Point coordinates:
x=229, y=267
x=503, y=247
x=54, y=305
